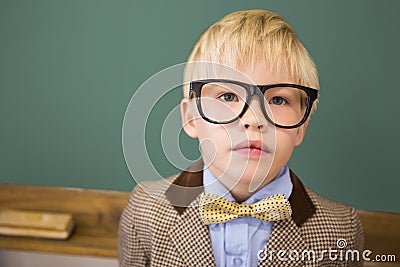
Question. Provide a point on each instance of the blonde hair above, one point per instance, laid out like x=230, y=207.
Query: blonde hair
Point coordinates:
x=243, y=38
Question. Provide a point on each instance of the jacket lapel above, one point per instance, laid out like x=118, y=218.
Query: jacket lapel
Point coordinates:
x=191, y=238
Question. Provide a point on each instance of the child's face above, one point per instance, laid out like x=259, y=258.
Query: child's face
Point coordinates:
x=221, y=143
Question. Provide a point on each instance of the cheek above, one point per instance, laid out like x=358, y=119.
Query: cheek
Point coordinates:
x=285, y=142
x=208, y=149
x=213, y=140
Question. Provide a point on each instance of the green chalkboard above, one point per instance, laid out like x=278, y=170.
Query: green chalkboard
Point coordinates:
x=68, y=70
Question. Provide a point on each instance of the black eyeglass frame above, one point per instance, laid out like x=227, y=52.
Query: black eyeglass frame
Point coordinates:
x=252, y=89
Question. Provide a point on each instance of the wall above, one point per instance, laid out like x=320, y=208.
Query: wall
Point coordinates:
x=68, y=70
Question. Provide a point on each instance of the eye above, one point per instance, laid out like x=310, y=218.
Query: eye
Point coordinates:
x=229, y=97
x=277, y=100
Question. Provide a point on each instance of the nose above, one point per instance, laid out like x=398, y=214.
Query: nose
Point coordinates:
x=254, y=117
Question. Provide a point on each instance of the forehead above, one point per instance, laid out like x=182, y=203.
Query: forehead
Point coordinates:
x=261, y=73
x=256, y=72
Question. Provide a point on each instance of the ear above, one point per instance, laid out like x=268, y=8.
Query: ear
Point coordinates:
x=188, y=118
x=301, y=133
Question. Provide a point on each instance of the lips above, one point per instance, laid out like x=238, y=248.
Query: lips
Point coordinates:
x=252, y=148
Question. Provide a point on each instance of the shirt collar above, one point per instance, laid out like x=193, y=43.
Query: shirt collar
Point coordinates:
x=282, y=184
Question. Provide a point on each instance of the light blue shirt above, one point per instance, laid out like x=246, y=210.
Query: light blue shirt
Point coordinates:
x=237, y=242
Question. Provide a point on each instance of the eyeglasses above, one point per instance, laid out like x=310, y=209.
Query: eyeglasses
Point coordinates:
x=222, y=101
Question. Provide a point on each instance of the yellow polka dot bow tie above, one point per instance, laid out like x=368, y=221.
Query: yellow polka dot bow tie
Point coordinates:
x=216, y=209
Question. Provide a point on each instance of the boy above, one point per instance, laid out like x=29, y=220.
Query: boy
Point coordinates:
x=241, y=205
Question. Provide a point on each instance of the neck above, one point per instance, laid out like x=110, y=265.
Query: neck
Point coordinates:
x=240, y=190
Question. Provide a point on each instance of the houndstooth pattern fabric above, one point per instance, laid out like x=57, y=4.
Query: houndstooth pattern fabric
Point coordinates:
x=153, y=233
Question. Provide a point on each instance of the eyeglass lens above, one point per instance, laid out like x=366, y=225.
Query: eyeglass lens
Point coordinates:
x=222, y=102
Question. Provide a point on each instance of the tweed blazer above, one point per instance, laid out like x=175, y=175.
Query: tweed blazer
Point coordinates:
x=160, y=226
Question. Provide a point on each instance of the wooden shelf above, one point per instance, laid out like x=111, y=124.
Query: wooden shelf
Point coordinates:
x=95, y=212
x=382, y=235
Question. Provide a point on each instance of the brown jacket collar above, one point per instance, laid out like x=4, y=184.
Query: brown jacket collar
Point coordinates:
x=302, y=206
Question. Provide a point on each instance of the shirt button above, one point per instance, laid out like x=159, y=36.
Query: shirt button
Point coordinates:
x=237, y=261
